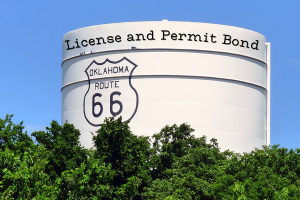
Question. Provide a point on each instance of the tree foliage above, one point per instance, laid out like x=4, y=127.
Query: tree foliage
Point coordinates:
x=173, y=164
x=63, y=143
x=127, y=154
x=12, y=136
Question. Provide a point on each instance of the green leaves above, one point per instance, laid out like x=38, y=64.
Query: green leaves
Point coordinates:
x=63, y=143
x=12, y=136
x=88, y=181
x=173, y=165
x=25, y=178
x=264, y=173
x=127, y=154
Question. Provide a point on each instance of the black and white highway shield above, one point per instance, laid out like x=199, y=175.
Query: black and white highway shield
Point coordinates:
x=110, y=91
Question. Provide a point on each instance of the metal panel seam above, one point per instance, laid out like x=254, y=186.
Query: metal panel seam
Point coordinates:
x=170, y=76
x=98, y=52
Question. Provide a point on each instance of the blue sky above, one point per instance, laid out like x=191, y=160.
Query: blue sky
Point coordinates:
x=30, y=50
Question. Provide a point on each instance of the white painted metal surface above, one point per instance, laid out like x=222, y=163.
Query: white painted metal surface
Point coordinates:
x=268, y=93
x=213, y=77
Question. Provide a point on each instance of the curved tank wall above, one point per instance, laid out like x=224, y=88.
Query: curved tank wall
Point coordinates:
x=213, y=77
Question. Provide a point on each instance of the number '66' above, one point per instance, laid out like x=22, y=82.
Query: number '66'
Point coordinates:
x=112, y=102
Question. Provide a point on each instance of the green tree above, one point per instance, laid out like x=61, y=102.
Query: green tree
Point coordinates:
x=63, y=143
x=171, y=143
x=123, y=166
x=268, y=173
x=12, y=136
x=127, y=154
x=191, y=176
x=25, y=178
x=90, y=181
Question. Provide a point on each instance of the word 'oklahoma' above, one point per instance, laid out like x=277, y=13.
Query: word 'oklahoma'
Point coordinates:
x=108, y=70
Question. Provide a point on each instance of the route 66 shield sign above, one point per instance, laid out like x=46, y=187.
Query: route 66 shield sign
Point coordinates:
x=110, y=91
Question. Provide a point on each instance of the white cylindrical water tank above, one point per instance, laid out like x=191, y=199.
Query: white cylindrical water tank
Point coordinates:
x=213, y=77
